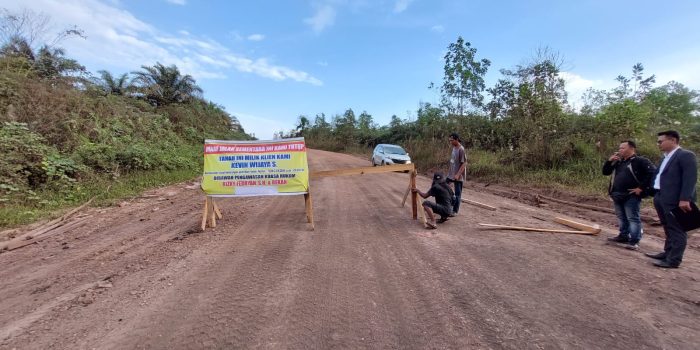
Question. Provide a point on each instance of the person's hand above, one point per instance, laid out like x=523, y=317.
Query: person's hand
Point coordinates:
x=614, y=158
x=685, y=206
x=637, y=191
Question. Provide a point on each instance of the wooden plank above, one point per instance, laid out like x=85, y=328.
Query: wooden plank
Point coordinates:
x=421, y=212
x=204, y=213
x=574, y=204
x=309, y=210
x=216, y=210
x=49, y=226
x=405, y=195
x=519, y=228
x=414, y=196
x=64, y=228
x=212, y=215
x=478, y=204
x=594, y=229
x=362, y=170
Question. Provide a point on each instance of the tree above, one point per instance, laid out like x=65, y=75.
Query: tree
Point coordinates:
x=635, y=87
x=366, y=128
x=530, y=99
x=345, y=127
x=464, y=77
x=114, y=85
x=20, y=35
x=303, y=124
x=673, y=104
x=163, y=85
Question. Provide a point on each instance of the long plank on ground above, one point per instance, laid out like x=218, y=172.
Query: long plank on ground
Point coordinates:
x=520, y=228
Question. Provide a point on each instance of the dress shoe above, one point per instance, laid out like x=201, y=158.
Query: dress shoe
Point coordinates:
x=665, y=264
x=660, y=256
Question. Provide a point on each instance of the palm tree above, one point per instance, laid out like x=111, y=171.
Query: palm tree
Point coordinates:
x=48, y=62
x=114, y=85
x=163, y=85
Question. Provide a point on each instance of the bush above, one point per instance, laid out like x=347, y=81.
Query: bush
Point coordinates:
x=28, y=164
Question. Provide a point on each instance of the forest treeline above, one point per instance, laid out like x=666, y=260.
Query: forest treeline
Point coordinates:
x=66, y=134
x=523, y=127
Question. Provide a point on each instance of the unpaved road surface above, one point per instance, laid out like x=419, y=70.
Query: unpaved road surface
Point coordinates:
x=140, y=276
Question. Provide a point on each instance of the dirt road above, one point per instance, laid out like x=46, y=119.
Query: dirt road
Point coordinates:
x=139, y=275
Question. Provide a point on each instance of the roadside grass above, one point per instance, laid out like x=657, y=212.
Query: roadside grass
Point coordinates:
x=55, y=203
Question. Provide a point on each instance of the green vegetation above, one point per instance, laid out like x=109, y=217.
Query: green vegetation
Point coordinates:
x=65, y=136
x=522, y=129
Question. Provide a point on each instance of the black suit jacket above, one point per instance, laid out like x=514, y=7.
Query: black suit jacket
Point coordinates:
x=678, y=178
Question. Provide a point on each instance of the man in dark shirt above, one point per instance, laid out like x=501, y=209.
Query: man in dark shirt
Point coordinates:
x=443, y=200
x=632, y=177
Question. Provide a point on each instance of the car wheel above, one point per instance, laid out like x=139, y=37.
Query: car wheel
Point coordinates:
x=383, y=164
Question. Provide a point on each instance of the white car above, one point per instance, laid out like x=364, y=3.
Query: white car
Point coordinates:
x=385, y=154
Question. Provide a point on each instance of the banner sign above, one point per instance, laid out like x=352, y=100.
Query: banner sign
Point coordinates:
x=255, y=168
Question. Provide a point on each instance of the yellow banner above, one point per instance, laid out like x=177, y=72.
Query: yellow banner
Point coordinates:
x=255, y=168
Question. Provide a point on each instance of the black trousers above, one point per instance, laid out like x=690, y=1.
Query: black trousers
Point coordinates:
x=676, y=237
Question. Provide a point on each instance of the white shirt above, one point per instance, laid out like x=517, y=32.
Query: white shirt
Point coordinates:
x=667, y=157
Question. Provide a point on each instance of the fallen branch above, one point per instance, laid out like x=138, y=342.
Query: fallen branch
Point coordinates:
x=51, y=225
x=12, y=245
x=519, y=228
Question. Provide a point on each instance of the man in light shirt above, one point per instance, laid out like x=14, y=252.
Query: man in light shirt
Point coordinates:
x=674, y=184
x=458, y=170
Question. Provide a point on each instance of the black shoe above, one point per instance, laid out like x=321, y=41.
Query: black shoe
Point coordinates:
x=660, y=256
x=441, y=220
x=665, y=264
x=619, y=239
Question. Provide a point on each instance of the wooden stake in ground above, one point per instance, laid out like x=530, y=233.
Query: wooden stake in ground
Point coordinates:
x=520, y=228
x=204, y=213
x=309, y=210
x=414, y=196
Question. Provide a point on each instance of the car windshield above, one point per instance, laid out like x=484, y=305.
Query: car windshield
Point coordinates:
x=394, y=150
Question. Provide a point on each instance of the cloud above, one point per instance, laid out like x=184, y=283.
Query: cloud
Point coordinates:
x=437, y=28
x=177, y=2
x=323, y=18
x=263, y=68
x=577, y=85
x=401, y=5
x=322, y=63
x=256, y=37
x=263, y=128
x=119, y=40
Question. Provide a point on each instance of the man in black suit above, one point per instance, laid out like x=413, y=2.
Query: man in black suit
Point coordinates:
x=674, y=185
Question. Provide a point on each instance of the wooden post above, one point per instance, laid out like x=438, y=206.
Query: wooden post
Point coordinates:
x=309, y=210
x=414, y=196
x=205, y=212
x=211, y=213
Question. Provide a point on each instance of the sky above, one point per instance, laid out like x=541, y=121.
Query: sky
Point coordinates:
x=268, y=62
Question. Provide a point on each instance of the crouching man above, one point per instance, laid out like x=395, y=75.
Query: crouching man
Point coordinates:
x=443, y=200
